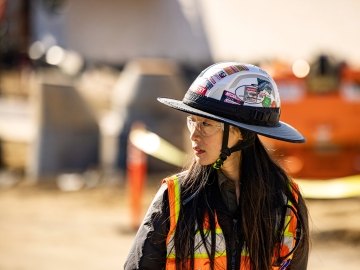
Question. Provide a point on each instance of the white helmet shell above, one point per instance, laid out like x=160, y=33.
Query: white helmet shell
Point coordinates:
x=239, y=94
x=240, y=84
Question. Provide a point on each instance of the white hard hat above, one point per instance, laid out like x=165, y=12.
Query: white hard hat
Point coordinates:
x=239, y=94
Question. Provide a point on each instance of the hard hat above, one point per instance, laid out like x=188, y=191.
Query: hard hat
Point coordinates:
x=238, y=94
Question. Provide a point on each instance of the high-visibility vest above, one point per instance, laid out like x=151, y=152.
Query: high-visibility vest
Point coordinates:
x=201, y=259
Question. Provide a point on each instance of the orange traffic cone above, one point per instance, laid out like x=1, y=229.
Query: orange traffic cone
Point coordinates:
x=136, y=174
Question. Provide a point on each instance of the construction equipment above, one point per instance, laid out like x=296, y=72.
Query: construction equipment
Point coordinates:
x=325, y=107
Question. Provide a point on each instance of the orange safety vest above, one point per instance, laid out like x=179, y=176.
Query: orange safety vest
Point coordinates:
x=201, y=259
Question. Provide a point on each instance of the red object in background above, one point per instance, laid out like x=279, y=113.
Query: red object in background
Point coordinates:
x=136, y=176
x=329, y=120
x=2, y=9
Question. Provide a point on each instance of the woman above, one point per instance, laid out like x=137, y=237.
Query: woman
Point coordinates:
x=234, y=207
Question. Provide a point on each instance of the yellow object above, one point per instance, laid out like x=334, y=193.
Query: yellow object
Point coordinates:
x=337, y=188
x=155, y=146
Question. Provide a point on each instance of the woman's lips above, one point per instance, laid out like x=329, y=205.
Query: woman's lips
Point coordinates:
x=198, y=151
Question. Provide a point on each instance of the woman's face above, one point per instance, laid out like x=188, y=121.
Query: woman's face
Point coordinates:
x=206, y=138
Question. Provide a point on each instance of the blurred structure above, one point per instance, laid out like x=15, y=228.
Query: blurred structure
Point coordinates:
x=134, y=100
x=67, y=137
x=324, y=104
x=193, y=31
x=16, y=134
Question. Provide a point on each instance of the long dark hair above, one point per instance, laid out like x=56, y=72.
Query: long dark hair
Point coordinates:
x=263, y=186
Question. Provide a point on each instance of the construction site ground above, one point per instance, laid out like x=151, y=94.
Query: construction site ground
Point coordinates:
x=43, y=228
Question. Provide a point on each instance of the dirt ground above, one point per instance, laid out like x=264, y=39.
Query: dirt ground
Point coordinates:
x=42, y=228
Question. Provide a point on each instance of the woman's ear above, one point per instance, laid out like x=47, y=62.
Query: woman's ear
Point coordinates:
x=236, y=131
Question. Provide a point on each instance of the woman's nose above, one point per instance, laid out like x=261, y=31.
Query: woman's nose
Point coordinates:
x=194, y=134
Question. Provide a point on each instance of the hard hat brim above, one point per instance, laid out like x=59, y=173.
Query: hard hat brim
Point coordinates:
x=282, y=131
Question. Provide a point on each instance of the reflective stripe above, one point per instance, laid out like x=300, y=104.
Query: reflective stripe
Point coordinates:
x=201, y=259
x=244, y=252
x=290, y=225
x=220, y=249
x=177, y=199
x=174, y=199
x=174, y=202
x=200, y=251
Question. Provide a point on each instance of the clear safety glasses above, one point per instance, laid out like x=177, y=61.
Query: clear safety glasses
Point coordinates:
x=206, y=127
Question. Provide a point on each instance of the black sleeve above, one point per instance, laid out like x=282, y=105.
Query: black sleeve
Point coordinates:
x=149, y=247
x=301, y=254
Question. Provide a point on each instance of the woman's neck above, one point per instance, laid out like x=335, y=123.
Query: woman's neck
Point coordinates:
x=231, y=169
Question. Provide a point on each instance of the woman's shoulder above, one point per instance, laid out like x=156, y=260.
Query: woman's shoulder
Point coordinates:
x=176, y=177
x=170, y=182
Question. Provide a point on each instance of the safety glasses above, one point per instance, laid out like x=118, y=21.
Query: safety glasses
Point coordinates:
x=206, y=127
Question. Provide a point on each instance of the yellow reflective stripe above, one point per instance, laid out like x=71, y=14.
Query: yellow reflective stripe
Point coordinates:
x=200, y=255
x=289, y=203
x=205, y=255
x=171, y=255
x=177, y=197
x=287, y=222
x=174, y=203
x=201, y=250
x=290, y=222
x=217, y=231
x=170, y=247
x=220, y=247
x=244, y=252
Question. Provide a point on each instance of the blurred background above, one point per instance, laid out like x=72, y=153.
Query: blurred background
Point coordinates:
x=78, y=78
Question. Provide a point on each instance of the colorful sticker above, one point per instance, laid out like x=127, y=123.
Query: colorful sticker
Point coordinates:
x=264, y=85
x=231, y=70
x=260, y=93
x=254, y=93
x=201, y=90
x=212, y=79
x=251, y=94
x=241, y=67
x=266, y=102
x=208, y=85
x=229, y=97
x=201, y=86
x=220, y=75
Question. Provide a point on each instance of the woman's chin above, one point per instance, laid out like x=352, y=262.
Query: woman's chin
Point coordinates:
x=203, y=162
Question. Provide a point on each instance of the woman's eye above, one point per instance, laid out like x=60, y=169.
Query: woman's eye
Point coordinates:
x=206, y=124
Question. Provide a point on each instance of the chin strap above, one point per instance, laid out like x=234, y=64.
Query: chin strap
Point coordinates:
x=226, y=151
